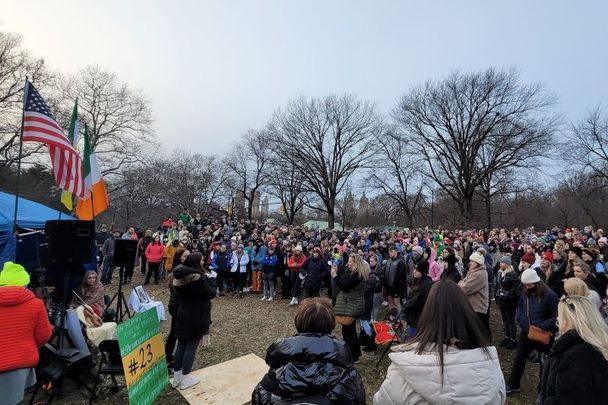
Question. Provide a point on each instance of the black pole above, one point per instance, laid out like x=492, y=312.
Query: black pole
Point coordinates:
x=17, y=187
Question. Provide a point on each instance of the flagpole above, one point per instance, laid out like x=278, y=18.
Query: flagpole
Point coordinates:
x=17, y=187
x=88, y=139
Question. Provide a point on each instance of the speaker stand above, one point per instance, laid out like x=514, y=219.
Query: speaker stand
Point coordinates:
x=122, y=307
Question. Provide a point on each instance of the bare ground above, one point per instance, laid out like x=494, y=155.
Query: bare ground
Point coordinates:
x=247, y=325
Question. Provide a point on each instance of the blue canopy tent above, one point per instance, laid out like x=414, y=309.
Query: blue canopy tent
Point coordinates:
x=31, y=216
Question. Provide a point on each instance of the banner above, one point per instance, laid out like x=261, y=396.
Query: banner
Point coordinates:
x=143, y=357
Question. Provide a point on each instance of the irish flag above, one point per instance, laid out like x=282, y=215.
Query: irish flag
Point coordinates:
x=66, y=196
x=96, y=200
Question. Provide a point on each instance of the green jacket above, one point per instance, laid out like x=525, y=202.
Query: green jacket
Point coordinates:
x=350, y=300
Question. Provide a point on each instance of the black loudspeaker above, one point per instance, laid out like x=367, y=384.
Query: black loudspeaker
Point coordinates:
x=69, y=241
x=124, y=253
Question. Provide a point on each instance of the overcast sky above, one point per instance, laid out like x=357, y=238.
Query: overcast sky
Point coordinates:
x=213, y=69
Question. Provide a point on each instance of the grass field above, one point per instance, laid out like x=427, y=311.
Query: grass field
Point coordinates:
x=247, y=325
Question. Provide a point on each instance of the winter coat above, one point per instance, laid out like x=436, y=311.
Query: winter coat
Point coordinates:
x=108, y=247
x=574, y=373
x=507, y=281
x=24, y=328
x=469, y=377
x=350, y=298
x=556, y=280
x=314, y=270
x=394, y=276
x=169, y=253
x=310, y=367
x=269, y=263
x=195, y=291
x=413, y=305
x=542, y=314
x=435, y=269
x=155, y=253
x=239, y=265
x=475, y=287
x=222, y=261
x=295, y=263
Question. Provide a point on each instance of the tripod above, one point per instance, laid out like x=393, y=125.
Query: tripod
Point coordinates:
x=121, y=302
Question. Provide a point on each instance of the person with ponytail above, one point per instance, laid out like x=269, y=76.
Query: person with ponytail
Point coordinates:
x=576, y=371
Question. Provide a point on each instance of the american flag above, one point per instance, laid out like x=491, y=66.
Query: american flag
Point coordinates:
x=39, y=125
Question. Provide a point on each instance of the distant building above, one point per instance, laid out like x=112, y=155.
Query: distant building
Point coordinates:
x=265, y=207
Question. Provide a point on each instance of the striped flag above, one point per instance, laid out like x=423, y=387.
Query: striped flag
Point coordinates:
x=39, y=125
x=66, y=196
x=96, y=200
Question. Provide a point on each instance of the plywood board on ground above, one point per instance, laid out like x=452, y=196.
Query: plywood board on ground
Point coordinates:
x=227, y=383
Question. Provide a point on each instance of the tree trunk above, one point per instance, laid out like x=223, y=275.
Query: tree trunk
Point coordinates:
x=330, y=218
x=249, y=209
x=466, y=209
x=488, y=202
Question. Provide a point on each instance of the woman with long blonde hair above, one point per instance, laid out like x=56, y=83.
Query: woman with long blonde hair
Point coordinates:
x=576, y=286
x=350, y=298
x=577, y=368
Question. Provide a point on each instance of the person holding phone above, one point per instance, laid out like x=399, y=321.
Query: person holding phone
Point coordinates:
x=312, y=272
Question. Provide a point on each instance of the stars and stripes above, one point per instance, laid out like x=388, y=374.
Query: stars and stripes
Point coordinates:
x=39, y=125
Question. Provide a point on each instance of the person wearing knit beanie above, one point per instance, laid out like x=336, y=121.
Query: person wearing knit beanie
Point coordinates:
x=530, y=276
x=506, y=260
x=528, y=258
x=14, y=275
x=548, y=256
x=478, y=256
x=418, y=250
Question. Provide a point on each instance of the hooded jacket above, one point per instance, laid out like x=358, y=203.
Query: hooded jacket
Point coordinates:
x=311, y=367
x=469, y=377
x=24, y=328
x=574, y=373
x=195, y=291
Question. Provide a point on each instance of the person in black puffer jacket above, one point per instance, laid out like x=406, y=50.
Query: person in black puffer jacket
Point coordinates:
x=178, y=258
x=414, y=304
x=311, y=367
x=576, y=371
x=195, y=289
x=313, y=270
x=506, y=294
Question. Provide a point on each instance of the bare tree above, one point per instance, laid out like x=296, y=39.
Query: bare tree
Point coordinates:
x=118, y=117
x=590, y=152
x=288, y=185
x=248, y=164
x=395, y=173
x=471, y=125
x=15, y=65
x=326, y=140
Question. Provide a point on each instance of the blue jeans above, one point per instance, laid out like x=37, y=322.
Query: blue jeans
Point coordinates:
x=107, y=269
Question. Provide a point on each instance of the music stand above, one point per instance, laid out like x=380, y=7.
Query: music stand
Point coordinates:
x=121, y=302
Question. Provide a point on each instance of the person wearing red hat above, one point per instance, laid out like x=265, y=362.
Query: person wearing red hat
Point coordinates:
x=546, y=264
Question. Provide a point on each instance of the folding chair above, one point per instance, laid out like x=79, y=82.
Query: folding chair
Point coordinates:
x=398, y=333
x=110, y=363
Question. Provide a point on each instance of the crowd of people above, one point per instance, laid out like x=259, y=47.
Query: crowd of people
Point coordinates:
x=440, y=285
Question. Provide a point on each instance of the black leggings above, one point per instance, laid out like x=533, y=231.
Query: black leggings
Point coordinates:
x=295, y=283
x=185, y=354
x=508, y=320
x=171, y=339
x=152, y=268
x=349, y=334
x=311, y=292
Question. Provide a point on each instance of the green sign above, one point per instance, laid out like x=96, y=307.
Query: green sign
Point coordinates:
x=143, y=357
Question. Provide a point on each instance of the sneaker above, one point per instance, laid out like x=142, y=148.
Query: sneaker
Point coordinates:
x=292, y=302
x=385, y=303
x=295, y=301
x=188, y=381
x=177, y=379
x=270, y=299
x=357, y=360
x=510, y=390
x=263, y=298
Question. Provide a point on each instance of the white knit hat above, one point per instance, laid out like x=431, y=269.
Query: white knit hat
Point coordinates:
x=530, y=276
x=477, y=257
